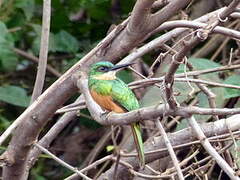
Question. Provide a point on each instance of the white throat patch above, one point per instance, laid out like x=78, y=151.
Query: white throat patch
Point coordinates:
x=111, y=75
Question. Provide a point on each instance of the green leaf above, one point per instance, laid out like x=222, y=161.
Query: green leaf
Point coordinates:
x=199, y=64
x=110, y=148
x=65, y=42
x=8, y=59
x=153, y=96
x=37, y=42
x=183, y=124
x=235, y=151
x=28, y=7
x=202, y=64
x=229, y=92
x=3, y=31
x=4, y=122
x=203, y=102
x=14, y=95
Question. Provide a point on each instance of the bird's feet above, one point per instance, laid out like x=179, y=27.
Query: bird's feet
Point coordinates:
x=104, y=114
x=109, y=114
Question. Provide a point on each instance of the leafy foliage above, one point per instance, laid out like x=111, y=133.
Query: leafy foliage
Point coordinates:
x=8, y=60
x=14, y=95
x=234, y=80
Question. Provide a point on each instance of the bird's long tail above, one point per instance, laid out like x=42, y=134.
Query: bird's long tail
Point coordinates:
x=138, y=142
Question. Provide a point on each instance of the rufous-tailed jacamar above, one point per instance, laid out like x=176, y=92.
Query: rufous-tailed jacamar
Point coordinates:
x=112, y=94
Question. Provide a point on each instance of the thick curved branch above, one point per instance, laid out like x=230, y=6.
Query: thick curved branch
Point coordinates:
x=177, y=138
x=164, y=14
x=131, y=36
x=139, y=20
x=146, y=113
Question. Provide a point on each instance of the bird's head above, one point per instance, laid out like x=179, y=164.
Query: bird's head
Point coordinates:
x=105, y=70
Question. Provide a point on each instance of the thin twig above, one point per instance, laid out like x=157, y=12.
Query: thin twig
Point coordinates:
x=61, y=161
x=185, y=145
x=178, y=58
x=210, y=95
x=93, y=165
x=179, y=138
x=170, y=150
x=144, y=82
x=42, y=64
x=208, y=147
x=146, y=176
x=182, y=163
x=36, y=60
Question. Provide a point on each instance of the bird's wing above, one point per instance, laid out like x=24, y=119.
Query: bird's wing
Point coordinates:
x=124, y=96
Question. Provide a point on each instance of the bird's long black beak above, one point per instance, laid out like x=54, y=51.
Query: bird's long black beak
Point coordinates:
x=120, y=66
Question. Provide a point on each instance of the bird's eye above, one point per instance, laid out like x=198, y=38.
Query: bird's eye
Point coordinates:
x=103, y=69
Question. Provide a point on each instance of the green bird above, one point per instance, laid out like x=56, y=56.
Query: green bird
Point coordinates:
x=112, y=94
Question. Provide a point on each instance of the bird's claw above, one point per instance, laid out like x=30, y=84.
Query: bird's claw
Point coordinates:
x=109, y=114
x=104, y=114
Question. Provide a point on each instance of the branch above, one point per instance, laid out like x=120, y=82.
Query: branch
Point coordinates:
x=61, y=161
x=146, y=113
x=160, y=3
x=170, y=149
x=139, y=21
x=139, y=27
x=150, y=81
x=93, y=165
x=42, y=64
x=196, y=25
x=158, y=42
x=208, y=147
x=47, y=139
x=164, y=14
x=177, y=138
x=178, y=58
x=38, y=114
x=36, y=60
x=94, y=109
